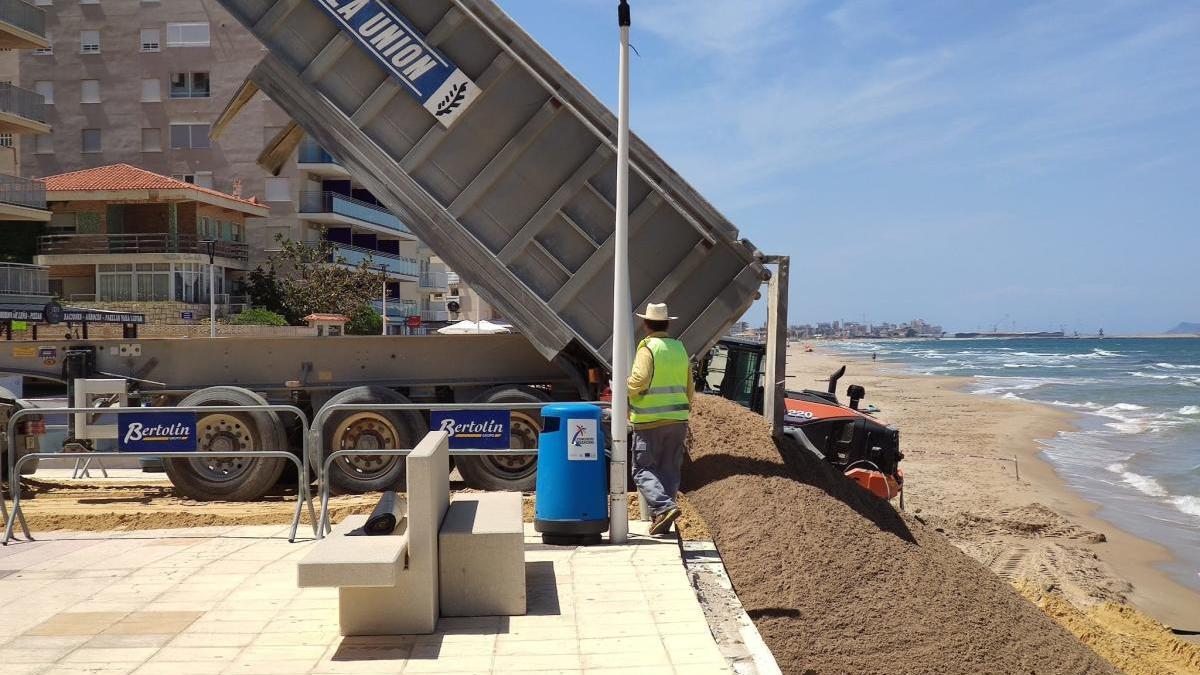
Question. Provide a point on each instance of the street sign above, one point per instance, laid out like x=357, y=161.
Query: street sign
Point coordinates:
x=156, y=432
x=413, y=321
x=187, y=316
x=473, y=428
x=424, y=72
x=52, y=313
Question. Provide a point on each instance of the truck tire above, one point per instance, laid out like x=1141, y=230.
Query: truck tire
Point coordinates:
x=508, y=473
x=369, y=430
x=232, y=479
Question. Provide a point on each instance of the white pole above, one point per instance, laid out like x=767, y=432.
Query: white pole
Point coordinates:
x=212, y=297
x=618, y=531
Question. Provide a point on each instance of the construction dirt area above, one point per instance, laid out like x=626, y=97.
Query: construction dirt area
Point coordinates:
x=835, y=579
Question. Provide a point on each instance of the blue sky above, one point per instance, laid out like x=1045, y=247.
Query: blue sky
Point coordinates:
x=959, y=160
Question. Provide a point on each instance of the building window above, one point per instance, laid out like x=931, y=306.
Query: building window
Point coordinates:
x=61, y=223
x=187, y=34
x=43, y=3
x=189, y=85
x=152, y=140
x=151, y=91
x=91, y=140
x=150, y=40
x=89, y=91
x=48, y=49
x=43, y=144
x=203, y=179
x=89, y=2
x=6, y=140
x=279, y=190
x=45, y=88
x=189, y=136
x=114, y=283
x=153, y=281
x=89, y=42
x=189, y=178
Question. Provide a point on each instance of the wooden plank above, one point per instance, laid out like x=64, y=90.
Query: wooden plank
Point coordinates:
x=775, y=387
x=498, y=164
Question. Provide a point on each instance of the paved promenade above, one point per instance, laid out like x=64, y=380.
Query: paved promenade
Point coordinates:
x=224, y=600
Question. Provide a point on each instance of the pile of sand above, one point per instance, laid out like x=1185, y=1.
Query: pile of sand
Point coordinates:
x=837, y=581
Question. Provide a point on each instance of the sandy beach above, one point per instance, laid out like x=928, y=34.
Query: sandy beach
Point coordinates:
x=963, y=454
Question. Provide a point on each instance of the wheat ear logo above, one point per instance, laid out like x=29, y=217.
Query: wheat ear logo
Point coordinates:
x=453, y=99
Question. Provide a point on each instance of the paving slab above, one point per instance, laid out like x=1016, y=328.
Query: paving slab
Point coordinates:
x=225, y=600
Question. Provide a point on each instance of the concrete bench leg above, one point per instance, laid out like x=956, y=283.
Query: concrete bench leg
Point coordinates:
x=382, y=611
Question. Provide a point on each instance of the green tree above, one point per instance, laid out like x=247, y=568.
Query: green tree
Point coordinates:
x=307, y=277
x=365, y=321
x=258, y=317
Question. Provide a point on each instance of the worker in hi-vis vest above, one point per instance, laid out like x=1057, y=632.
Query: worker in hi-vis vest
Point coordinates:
x=660, y=399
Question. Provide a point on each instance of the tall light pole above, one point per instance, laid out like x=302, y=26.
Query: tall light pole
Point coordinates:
x=385, y=319
x=618, y=531
x=211, y=245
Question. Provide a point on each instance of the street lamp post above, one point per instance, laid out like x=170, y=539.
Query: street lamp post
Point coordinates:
x=211, y=246
x=385, y=291
x=622, y=320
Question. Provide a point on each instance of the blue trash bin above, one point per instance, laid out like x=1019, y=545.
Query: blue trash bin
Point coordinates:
x=572, y=475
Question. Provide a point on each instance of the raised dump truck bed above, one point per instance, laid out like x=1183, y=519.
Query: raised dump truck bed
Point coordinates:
x=502, y=162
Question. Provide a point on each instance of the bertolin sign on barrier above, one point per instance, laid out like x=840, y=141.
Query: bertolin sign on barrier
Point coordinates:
x=484, y=429
x=158, y=432
x=426, y=73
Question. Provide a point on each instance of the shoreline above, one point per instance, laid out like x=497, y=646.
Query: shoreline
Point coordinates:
x=1019, y=427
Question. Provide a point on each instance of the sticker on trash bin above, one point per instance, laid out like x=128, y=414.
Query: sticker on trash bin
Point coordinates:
x=583, y=443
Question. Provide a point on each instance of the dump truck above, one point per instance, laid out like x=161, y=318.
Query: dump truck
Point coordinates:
x=505, y=165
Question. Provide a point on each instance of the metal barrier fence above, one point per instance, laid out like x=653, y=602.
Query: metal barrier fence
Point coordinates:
x=316, y=442
x=303, y=496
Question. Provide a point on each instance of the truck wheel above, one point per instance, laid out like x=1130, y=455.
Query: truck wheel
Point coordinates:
x=234, y=479
x=514, y=473
x=369, y=430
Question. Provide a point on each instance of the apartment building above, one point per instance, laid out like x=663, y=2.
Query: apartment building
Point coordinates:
x=22, y=115
x=140, y=82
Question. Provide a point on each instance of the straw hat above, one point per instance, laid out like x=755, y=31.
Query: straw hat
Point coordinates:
x=657, y=311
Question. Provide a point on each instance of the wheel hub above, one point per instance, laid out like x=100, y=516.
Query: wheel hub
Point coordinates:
x=223, y=432
x=523, y=433
x=367, y=431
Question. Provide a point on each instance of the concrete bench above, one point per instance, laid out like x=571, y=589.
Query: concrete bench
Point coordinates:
x=388, y=585
x=481, y=555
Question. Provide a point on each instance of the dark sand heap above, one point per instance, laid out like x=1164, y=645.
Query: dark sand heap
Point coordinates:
x=838, y=582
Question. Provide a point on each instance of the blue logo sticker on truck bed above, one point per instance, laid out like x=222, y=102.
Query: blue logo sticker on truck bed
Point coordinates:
x=424, y=72
x=156, y=432
x=473, y=428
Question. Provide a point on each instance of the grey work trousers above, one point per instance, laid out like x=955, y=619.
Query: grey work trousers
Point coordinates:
x=657, y=464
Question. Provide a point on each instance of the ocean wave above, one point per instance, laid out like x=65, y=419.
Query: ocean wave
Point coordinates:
x=1152, y=376
x=1083, y=406
x=1190, y=410
x=1144, y=484
x=1172, y=366
x=1188, y=504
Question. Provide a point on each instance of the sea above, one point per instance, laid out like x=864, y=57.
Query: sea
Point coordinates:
x=1136, y=449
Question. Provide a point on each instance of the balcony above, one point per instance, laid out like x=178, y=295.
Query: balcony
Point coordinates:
x=435, y=315
x=314, y=159
x=398, y=267
x=21, y=283
x=434, y=280
x=158, y=242
x=22, y=199
x=22, y=111
x=331, y=208
x=22, y=26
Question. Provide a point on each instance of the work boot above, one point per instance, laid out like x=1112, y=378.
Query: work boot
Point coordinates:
x=663, y=521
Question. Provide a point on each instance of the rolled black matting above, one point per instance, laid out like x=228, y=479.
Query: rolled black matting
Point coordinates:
x=383, y=520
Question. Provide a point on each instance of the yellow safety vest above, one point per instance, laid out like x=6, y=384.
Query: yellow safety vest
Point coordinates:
x=666, y=398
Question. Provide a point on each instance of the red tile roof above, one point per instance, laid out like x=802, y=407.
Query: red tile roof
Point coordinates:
x=115, y=177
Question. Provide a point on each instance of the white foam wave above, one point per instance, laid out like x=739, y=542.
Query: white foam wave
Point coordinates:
x=1190, y=410
x=1188, y=504
x=1143, y=484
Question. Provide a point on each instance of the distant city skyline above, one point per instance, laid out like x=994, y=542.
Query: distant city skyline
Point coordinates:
x=964, y=160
